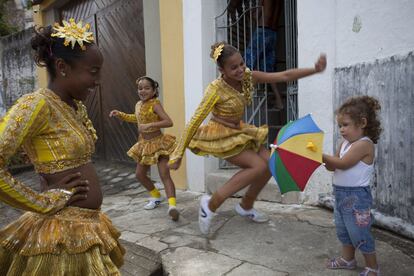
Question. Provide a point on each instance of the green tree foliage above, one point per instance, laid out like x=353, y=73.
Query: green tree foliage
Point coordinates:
x=5, y=28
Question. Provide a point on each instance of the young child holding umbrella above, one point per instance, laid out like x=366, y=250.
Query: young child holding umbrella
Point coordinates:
x=353, y=166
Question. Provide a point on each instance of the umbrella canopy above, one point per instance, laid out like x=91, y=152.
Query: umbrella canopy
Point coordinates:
x=296, y=153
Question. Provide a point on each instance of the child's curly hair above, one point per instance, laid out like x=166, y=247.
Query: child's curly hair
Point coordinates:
x=361, y=107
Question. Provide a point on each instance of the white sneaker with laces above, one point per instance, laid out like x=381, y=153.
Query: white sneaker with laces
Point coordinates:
x=205, y=215
x=153, y=203
x=252, y=214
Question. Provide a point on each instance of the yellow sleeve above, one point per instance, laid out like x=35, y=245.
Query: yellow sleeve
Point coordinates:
x=130, y=118
x=209, y=100
x=25, y=119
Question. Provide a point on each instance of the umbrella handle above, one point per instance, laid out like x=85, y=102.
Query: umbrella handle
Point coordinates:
x=272, y=146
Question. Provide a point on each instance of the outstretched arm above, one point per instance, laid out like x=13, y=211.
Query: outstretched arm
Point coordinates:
x=209, y=100
x=130, y=118
x=291, y=74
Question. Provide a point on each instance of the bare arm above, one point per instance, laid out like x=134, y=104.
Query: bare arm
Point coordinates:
x=359, y=151
x=289, y=75
x=165, y=119
x=327, y=166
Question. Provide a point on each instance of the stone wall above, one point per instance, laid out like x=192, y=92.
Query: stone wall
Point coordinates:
x=391, y=81
x=17, y=68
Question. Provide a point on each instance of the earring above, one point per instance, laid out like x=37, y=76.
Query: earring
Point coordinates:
x=63, y=74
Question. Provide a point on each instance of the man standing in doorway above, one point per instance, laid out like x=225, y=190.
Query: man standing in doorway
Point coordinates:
x=263, y=44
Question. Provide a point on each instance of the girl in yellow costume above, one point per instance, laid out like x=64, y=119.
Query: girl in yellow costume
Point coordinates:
x=64, y=232
x=153, y=147
x=226, y=136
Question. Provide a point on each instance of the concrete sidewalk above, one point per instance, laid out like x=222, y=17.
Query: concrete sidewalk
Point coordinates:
x=296, y=241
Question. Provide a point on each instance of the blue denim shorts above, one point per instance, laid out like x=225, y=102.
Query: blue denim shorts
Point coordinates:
x=353, y=218
x=263, y=44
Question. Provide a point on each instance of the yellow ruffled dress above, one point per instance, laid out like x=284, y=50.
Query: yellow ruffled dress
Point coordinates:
x=51, y=239
x=148, y=151
x=215, y=138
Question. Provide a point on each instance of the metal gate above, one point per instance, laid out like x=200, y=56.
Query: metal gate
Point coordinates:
x=238, y=29
x=119, y=32
x=291, y=56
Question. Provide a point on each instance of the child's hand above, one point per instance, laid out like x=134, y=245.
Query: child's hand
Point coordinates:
x=320, y=65
x=114, y=113
x=144, y=127
x=174, y=166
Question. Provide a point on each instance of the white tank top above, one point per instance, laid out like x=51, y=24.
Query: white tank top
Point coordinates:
x=360, y=175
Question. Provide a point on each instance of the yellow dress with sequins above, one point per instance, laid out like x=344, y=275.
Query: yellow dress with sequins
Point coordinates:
x=51, y=239
x=148, y=151
x=215, y=138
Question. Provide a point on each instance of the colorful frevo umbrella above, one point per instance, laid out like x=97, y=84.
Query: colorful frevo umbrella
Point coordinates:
x=296, y=154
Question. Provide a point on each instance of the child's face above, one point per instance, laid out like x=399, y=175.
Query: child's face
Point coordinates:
x=145, y=90
x=234, y=67
x=349, y=129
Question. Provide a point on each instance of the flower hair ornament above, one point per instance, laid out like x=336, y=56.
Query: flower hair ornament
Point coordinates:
x=217, y=51
x=73, y=33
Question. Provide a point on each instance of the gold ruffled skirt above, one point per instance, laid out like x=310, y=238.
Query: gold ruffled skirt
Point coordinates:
x=223, y=142
x=72, y=242
x=147, y=152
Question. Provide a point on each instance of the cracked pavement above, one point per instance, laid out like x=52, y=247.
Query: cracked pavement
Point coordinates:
x=297, y=240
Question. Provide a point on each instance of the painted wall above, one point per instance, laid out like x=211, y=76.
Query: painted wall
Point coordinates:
x=372, y=29
x=172, y=57
x=151, y=12
x=199, y=71
x=316, y=34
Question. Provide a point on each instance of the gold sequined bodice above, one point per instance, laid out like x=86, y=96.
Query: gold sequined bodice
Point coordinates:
x=64, y=138
x=220, y=99
x=54, y=136
x=144, y=114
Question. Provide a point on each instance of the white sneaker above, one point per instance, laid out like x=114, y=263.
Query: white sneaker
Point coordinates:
x=205, y=215
x=173, y=213
x=252, y=214
x=153, y=203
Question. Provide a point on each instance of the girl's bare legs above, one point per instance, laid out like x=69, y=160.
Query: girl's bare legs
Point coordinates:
x=164, y=172
x=254, y=169
x=141, y=174
x=258, y=184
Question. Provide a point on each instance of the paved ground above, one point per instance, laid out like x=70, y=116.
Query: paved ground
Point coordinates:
x=296, y=241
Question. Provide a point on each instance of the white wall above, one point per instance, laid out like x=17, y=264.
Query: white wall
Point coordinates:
x=316, y=34
x=151, y=12
x=350, y=32
x=193, y=82
x=199, y=71
x=386, y=29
